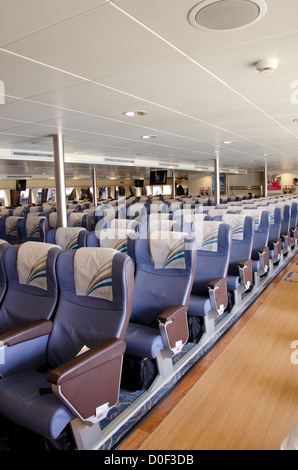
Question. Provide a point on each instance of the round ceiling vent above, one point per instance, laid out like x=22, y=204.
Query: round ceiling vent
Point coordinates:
x=226, y=15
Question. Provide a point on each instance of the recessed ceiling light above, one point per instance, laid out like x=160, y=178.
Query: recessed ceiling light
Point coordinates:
x=148, y=136
x=229, y=142
x=134, y=113
x=226, y=15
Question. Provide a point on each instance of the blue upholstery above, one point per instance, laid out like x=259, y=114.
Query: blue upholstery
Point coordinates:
x=274, y=232
x=3, y=281
x=294, y=215
x=155, y=291
x=285, y=228
x=294, y=224
x=241, y=250
x=210, y=265
x=80, y=320
x=23, y=304
x=12, y=229
x=261, y=238
x=35, y=229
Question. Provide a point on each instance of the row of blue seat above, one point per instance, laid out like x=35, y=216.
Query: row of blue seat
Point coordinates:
x=165, y=281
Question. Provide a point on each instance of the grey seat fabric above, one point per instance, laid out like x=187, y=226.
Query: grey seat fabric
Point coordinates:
x=156, y=289
x=24, y=303
x=96, y=318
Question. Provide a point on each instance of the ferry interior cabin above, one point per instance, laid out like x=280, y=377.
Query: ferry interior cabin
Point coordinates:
x=148, y=225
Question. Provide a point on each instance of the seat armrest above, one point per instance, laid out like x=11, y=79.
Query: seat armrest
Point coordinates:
x=173, y=327
x=89, y=383
x=264, y=258
x=245, y=273
x=287, y=240
x=218, y=294
x=277, y=247
x=26, y=333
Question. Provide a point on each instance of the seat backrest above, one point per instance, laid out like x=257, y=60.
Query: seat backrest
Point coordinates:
x=275, y=222
x=95, y=298
x=261, y=236
x=68, y=238
x=14, y=229
x=294, y=215
x=115, y=238
x=32, y=289
x=242, y=236
x=35, y=229
x=286, y=219
x=164, y=267
x=79, y=219
x=213, y=242
x=3, y=281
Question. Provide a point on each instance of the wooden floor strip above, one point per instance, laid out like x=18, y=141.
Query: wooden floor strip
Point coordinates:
x=243, y=394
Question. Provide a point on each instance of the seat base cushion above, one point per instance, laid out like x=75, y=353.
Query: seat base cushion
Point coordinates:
x=143, y=341
x=22, y=403
x=199, y=306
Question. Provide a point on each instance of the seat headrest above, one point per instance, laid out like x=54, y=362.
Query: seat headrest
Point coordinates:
x=93, y=272
x=237, y=223
x=160, y=225
x=32, y=226
x=167, y=249
x=31, y=263
x=67, y=237
x=115, y=238
x=206, y=234
x=53, y=219
x=11, y=225
x=255, y=213
x=75, y=219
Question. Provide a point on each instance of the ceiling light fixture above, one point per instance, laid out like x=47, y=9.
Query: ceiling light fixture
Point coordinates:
x=226, y=15
x=148, y=136
x=134, y=113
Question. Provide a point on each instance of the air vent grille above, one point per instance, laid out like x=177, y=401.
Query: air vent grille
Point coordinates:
x=17, y=153
x=121, y=161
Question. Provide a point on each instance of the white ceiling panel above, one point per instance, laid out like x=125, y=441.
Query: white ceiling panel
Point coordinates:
x=19, y=18
x=23, y=78
x=94, y=45
x=75, y=66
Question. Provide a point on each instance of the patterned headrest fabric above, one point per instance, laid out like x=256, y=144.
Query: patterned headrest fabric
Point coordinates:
x=11, y=225
x=115, y=238
x=53, y=219
x=31, y=264
x=75, y=219
x=18, y=211
x=206, y=234
x=159, y=216
x=167, y=249
x=136, y=208
x=160, y=225
x=67, y=237
x=93, y=272
x=32, y=226
x=237, y=223
x=122, y=224
x=255, y=213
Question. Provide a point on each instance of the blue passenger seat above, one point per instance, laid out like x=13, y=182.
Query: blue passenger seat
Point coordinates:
x=209, y=296
x=164, y=267
x=74, y=373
